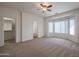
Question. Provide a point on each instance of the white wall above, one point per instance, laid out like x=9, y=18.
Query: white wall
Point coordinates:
x=69, y=13
x=27, y=26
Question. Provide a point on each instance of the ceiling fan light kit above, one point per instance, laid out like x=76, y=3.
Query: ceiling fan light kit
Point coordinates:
x=45, y=7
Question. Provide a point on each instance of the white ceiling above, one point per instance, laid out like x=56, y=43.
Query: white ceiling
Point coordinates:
x=59, y=7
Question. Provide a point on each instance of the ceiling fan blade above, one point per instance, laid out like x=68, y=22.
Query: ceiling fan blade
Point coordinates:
x=41, y=5
x=48, y=10
x=49, y=6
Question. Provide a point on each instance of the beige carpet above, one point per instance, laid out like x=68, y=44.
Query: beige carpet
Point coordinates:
x=42, y=47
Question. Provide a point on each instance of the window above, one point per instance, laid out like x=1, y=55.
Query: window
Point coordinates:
x=64, y=26
x=57, y=27
x=71, y=30
x=60, y=27
x=50, y=27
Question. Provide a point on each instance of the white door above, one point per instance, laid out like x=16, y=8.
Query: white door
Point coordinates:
x=1, y=33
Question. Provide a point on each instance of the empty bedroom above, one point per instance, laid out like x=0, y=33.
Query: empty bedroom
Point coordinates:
x=39, y=29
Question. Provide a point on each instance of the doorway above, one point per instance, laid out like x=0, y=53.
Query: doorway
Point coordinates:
x=9, y=27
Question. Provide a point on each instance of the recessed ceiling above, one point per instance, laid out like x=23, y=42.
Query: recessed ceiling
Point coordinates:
x=31, y=7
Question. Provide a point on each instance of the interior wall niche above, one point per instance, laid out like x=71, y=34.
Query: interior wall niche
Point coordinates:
x=35, y=29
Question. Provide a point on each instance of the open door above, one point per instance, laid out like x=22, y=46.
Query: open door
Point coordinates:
x=1, y=33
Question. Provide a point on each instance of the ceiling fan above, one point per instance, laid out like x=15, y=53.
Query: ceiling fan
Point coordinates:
x=45, y=7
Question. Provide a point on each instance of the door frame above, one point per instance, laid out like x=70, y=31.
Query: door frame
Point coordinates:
x=2, y=32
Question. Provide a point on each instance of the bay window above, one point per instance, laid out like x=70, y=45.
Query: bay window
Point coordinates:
x=64, y=26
